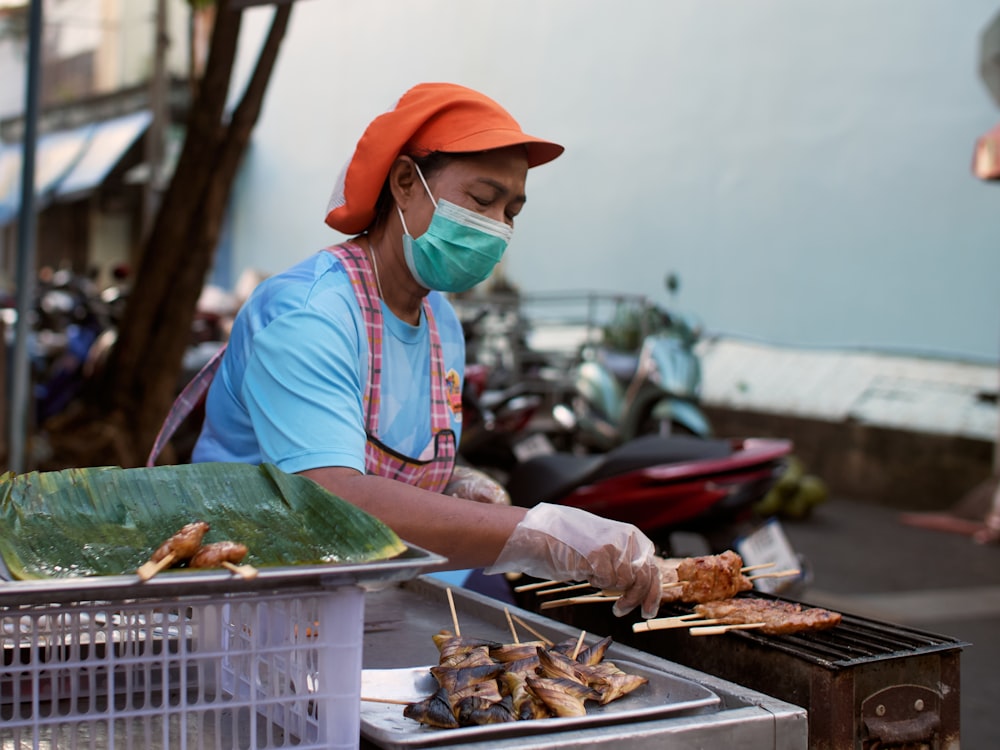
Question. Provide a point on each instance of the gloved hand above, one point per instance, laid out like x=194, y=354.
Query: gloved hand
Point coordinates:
x=473, y=484
x=568, y=544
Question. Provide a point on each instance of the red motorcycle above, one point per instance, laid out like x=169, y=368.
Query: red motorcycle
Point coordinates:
x=661, y=484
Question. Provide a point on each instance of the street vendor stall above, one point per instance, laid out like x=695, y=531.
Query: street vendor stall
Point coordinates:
x=315, y=648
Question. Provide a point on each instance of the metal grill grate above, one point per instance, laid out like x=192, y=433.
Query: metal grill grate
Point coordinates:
x=856, y=640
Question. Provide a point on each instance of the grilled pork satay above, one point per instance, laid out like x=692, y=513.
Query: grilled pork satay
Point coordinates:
x=779, y=618
x=214, y=554
x=703, y=579
x=184, y=544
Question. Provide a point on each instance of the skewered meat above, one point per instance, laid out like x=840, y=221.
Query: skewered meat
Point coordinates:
x=184, y=544
x=563, y=697
x=454, y=679
x=479, y=711
x=434, y=711
x=214, y=554
x=558, y=666
x=516, y=651
x=483, y=682
x=526, y=705
x=702, y=579
x=594, y=654
x=779, y=618
x=611, y=682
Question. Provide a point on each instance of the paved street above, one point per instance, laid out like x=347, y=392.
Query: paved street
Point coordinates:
x=866, y=562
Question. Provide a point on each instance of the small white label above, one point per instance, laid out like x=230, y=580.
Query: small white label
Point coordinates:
x=768, y=544
x=533, y=445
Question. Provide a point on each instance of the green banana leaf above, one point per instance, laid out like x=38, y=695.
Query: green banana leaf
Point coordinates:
x=108, y=520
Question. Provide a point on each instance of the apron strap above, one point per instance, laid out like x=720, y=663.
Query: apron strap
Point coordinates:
x=184, y=404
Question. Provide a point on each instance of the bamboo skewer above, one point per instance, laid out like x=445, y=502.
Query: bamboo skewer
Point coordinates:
x=510, y=624
x=720, y=629
x=536, y=585
x=454, y=615
x=593, y=599
x=562, y=589
x=694, y=625
x=776, y=574
x=669, y=623
x=563, y=586
x=579, y=643
x=149, y=569
x=748, y=568
x=531, y=630
x=394, y=701
x=246, y=572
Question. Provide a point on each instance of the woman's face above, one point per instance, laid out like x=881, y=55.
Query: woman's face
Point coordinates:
x=490, y=183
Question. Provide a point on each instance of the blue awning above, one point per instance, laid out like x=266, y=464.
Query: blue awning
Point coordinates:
x=70, y=163
x=108, y=143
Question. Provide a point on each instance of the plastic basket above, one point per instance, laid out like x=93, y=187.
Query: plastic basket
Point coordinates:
x=252, y=670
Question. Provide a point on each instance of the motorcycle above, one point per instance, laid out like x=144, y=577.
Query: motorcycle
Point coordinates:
x=495, y=422
x=505, y=395
x=661, y=484
x=641, y=377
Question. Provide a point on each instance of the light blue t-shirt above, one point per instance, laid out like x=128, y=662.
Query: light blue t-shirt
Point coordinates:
x=290, y=387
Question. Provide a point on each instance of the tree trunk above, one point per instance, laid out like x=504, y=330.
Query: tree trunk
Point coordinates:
x=120, y=419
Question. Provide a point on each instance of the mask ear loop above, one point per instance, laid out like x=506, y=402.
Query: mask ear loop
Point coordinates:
x=426, y=186
x=429, y=195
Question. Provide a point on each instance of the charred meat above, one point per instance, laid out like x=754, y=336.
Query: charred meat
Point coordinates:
x=184, y=544
x=703, y=579
x=779, y=618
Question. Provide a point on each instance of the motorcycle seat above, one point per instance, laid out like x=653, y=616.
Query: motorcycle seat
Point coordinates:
x=546, y=478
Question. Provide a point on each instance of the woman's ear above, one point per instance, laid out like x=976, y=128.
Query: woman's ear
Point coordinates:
x=402, y=180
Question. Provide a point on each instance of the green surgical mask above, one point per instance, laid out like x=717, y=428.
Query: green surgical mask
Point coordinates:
x=459, y=249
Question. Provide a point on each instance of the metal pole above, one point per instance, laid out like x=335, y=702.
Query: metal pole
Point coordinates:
x=20, y=386
x=155, y=134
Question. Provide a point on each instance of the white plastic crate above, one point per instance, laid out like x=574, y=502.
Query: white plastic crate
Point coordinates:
x=254, y=670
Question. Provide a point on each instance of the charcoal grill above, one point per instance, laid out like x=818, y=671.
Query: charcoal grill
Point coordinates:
x=866, y=684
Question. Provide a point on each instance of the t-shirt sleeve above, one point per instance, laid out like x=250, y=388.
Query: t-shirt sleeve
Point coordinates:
x=303, y=391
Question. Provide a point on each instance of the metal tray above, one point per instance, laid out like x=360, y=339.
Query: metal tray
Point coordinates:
x=384, y=723
x=184, y=582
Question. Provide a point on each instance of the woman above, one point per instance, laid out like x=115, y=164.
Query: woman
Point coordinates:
x=347, y=367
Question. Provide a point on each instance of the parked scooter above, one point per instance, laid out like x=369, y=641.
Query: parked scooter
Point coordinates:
x=495, y=422
x=662, y=485
x=642, y=377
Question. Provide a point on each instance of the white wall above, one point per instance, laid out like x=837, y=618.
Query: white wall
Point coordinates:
x=804, y=166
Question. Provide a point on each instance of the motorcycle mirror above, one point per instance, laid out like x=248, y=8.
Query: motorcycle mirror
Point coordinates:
x=672, y=282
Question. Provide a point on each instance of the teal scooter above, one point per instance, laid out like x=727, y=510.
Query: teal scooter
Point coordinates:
x=642, y=377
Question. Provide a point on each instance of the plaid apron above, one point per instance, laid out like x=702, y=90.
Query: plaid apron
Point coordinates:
x=430, y=474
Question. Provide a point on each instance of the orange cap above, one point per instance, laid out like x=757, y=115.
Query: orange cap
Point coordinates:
x=429, y=117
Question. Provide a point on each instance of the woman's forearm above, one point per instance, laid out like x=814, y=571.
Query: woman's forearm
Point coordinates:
x=468, y=533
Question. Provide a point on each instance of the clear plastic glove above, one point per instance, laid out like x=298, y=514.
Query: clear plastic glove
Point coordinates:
x=568, y=544
x=473, y=484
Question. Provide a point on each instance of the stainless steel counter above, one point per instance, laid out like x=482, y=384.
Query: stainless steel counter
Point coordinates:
x=399, y=623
